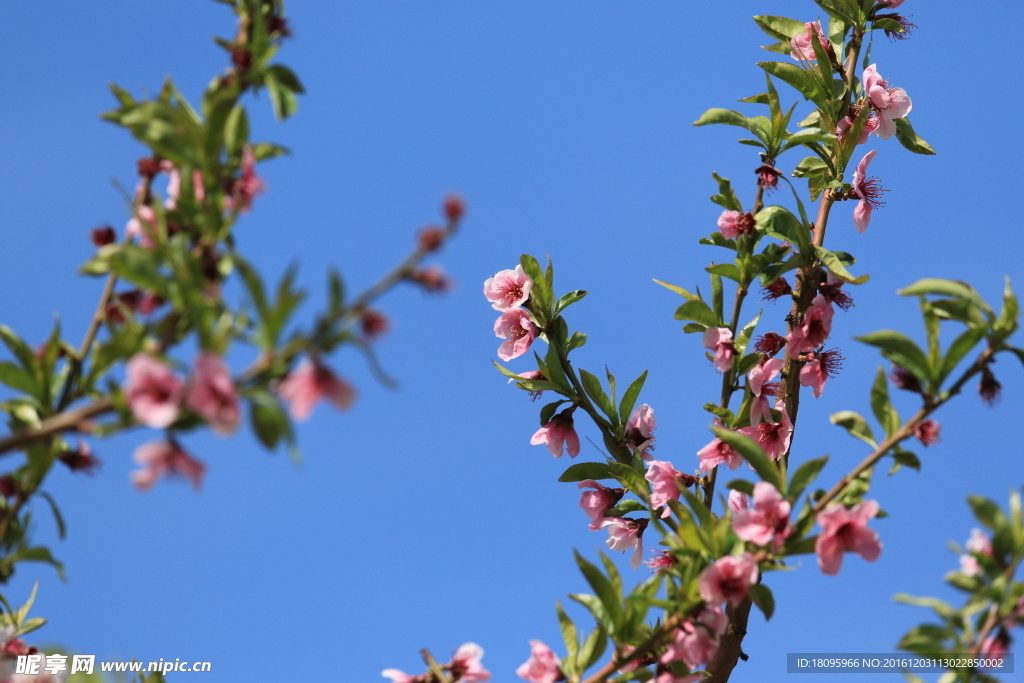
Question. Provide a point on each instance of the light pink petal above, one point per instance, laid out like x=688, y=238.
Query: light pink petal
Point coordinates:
x=886, y=128
x=899, y=103
x=830, y=554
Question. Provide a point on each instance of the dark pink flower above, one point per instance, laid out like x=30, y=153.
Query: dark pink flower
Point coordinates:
x=996, y=645
x=868, y=190
x=927, y=432
x=211, y=394
x=758, y=380
x=246, y=186
x=843, y=531
x=728, y=579
x=803, y=48
x=662, y=559
x=819, y=367
x=695, y=642
x=81, y=459
x=465, y=665
x=832, y=291
x=766, y=522
x=769, y=343
x=558, y=431
x=639, y=430
x=542, y=666
x=508, y=289
x=163, y=458
x=518, y=331
x=153, y=392
x=890, y=103
x=596, y=503
x=772, y=438
x=718, y=340
x=308, y=383
x=624, y=534
x=816, y=326
x=716, y=453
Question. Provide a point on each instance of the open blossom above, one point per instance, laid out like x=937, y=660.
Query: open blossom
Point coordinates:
x=891, y=103
x=772, y=438
x=696, y=640
x=719, y=341
x=558, y=431
x=766, y=522
x=665, y=481
x=843, y=531
x=717, y=453
x=211, y=394
x=969, y=565
x=639, y=430
x=816, y=326
x=542, y=666
x=758, y=379
x=819, y=367
x=624, y=534
x=518, y=331
x=596, y=503
x=164, y=458
x=870, y=125
x=868, y=190
x=662, y=559
x=465, y=665
x=732, y=224
x=832, y=291
x=310, y=382
x=803, y=48
x=728, y=579
x=508, y=289
x=153, y=391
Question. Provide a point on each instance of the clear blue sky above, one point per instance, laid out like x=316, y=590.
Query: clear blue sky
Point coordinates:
x=424, y=518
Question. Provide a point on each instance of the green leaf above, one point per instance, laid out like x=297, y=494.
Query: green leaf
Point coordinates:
x=36, y=554
x=881, y=406
x=746, y=332
x=952, y=288
x=678, y=290
x=602, y=587
x=236, y=131
x=592, y=385
x=631, y=479
x=780, y=28
x=282, y=98
x=587, y=470
x=593, y=648
x=698, y=312
x=58, y=518
x=941, y=608
x=286, y=77
x=762, y=596
x=568, y=299
x=804, y=475
x=629, y=398
x=693, y=328
x=856, y=425
x=18, y=378
x=753, y=454
x=782, y=224
x=577, y=340
x=905, y=459
x=594, y=605
x=960, y=347
x=741, y=485
x=723, y=116
x=725, y=270
x=569, y=635
x=268, y=418
x=909, y=139
x=626, y=507
x=988, y=513
x=717, y=296
x=540, y=291
x=901, y=350
x=20, y=349
x=725, y=197
x=799, y=79
x=835, y=266
x=810, y=166
x=747, y=363
x=548, y=411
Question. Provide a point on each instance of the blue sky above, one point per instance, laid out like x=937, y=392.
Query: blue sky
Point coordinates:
x=424, y=518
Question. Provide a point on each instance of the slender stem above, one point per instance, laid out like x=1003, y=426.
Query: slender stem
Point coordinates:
x=645, y=648
x=849, y=68
x=433, y=667
x=730, y=645
x=63, y=422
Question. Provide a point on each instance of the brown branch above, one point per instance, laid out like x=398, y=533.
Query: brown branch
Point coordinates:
x=64, y=422
x=730, y=648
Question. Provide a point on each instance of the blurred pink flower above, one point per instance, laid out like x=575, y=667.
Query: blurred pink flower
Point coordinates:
x=397, y=676
x=308, y=383
x=246, y=186
x=508, y=289
x=979, y=543
x=465, y=665
x=596, y=503
x=716, y=453
x=868, y=190
x=211, y=394
x=843, y=531
x=969, y=565
x=153, y=391
x=758, y=379
x=163, y=458
x=728, y=579
x=816, y=326
x=719, y=341
x=639, y=430
x=696, y=640
x=518, y=330
x=927, y=432
x=766, y=522
x=142, y=225
x=542, y=666
x=891, y=103
x=556, y=432
x=624, y=534
x=738, y=501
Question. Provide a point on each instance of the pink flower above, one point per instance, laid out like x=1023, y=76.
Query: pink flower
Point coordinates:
x=465, y=665
x=397, y=676
x=669, y=677
x=639, y=430
x=716, y=453
x=845, y=530
x=624, y=534
x=556, y=432
x=719, y=341
x=662, y=559
x=978, y=543
x=518, y=330
x=768, y=521
x=80, y=460
x=308, y=383
x=542, y=666
x=758, y=380
x=816, y=326
x=927, y=432
x=246, y=186
x=969, y=565
x=891, y=103
x=728, y=579
x=738, y=501
x=665, y=481
x=868, y=190
x=819, y=368
x=596, y=503
x=508, y=289
x=534, y=375
x=153, y=392
x=142, y=225
x=696, y=640
x=870, y=124
x=727, y=224
x=772, y=438
x=803, y=48
x=211, y=394
x=996, y=645
x=162, y=458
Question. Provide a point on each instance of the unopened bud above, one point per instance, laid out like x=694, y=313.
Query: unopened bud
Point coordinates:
x=989, y=388
x=454, y=207
x=103, y=236
x=431, y=237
